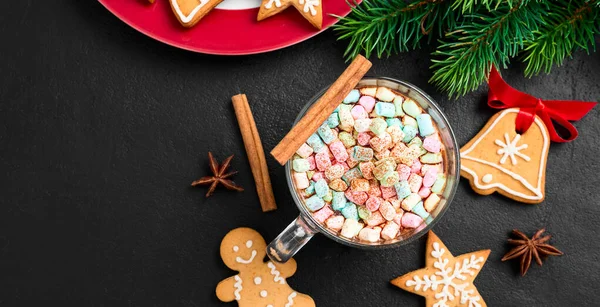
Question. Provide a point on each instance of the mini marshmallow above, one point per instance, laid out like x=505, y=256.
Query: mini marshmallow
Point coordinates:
x=415, y=168
x=380, y=155
x=316, y=143
x=351, y=228
x=338, y=185
x=369, y=234
x=358, y=198
x=362, y=125
x=402, y=189
x=429, y=178
x=363, y=138
x=352, y=97
x=366, y=168
x=385, y=109
x=439, y=184
x=420, y=211
x=321, y=187
x=404, y=171
x=425, y=123
x=409, y=156
x=431, y=158
x=415, y=181
x=311, y=163
x=333, y=120
x=375, y=219
x=304, y=151
x=322, y=161
x=369, y=91
x=373, y=203
x=390, y=231
x=385, y=94
x=310, y=190
x=329, y=196
x=398, y=218
x=346, y=139
x=335, y=223
x=359, y=112
x=350, y=211
x=390, y=179
x=323, y=214
x=334, y=172
x=362, y=153
x=301, y=180
x=432, y=144
x=411, y=108
x=431, y=202
x=374, y=189
x=338, y=150
x=382, y=142
x=359, y=185
x=409, y=121
x=411, y=220
x=388, y=192
x=424, y=192
x=314, y=203
x=346, y=119
x=409, y=202
x=378, y=126
x=387, y=211
x=351, y=174
x=338, y=202
x=367, y=103
x=395, y=132
x=398, y=100
x=363, y=212
x=428, y=167
x=326, y=133
x=409, y=133
x=300, y=165
x=394, y=122
x=317, y=176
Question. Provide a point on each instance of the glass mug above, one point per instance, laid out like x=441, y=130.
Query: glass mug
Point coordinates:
x=303, y=228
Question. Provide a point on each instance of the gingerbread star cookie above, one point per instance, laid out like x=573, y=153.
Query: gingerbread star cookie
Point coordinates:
x=189, y=12
x=258, y=283
x=446, y=281
x=498, y=159
x=310, y=9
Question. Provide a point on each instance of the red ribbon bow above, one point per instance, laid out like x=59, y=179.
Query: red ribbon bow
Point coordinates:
x=502, y=96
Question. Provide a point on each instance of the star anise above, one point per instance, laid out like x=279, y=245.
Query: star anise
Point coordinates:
x=529, y=249
x=219, y=176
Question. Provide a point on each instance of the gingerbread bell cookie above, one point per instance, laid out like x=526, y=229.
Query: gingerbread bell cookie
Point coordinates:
x=310, y=9
x=258, y=283
x=498, y=159
x=509, y=154
x=189, y=12
x=446, y=280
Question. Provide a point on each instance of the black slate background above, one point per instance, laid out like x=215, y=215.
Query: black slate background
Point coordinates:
x=102, y=129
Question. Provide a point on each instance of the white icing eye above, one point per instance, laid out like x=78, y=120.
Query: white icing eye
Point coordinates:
x=236, y=248
x=257, y=280
x=249, y=244
x=263, y=293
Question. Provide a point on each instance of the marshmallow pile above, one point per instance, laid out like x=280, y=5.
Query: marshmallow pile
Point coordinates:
x=374, y=169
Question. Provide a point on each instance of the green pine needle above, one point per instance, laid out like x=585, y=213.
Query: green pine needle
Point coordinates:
x=567, y=29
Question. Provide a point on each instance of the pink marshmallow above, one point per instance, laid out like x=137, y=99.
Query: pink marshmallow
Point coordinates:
x=390, y=231
x=375, y=219
x=432, y=144
x=398, y=218
x=335, y=223
x=318, y=176
x=387, y=210
x=367, y=102
x=323, y=214
x=411, y=220
x=359, y=112
x=373, y=203
x=339, y=151
x=416, y=166
x=358, y=198
x=311, y=163
x=388, y=192
x=430, y=178
x=403, y=171
x=363, y=138
x=424, y=192
x=322, y=160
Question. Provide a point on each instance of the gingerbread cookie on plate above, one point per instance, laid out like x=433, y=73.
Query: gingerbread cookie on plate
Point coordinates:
x=311, y=9
x=258, y=283
x=189, y=12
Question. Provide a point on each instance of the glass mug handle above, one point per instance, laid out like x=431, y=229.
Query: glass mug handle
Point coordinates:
x=291, y=240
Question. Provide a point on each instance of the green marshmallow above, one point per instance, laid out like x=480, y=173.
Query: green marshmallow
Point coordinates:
x=378, y=126
x=300, y=165
x=431, y=158
x=363, y=212
x=439, y=184
x=411, y=108
x=346, y=139
x=398, y=105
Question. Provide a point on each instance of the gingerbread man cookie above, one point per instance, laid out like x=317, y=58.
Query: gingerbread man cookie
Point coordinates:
x=258, y=284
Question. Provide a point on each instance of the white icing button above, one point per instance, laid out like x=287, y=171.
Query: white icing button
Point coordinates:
x=249, y=244
x=487, y=178
x=263, y=293
x=257, y=280
x=236, y=248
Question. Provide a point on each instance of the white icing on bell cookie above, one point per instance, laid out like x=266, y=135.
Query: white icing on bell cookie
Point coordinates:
x=510, y=149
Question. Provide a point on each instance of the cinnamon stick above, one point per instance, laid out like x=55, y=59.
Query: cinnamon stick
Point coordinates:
x=255, y=152
x=319, y=112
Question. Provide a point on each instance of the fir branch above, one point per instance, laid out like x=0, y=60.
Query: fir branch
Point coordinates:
x=392, y=26
x=465, y=58
x=567, y=29
x=469, y=6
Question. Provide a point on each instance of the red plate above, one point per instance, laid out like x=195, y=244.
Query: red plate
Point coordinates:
x=226, y=30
